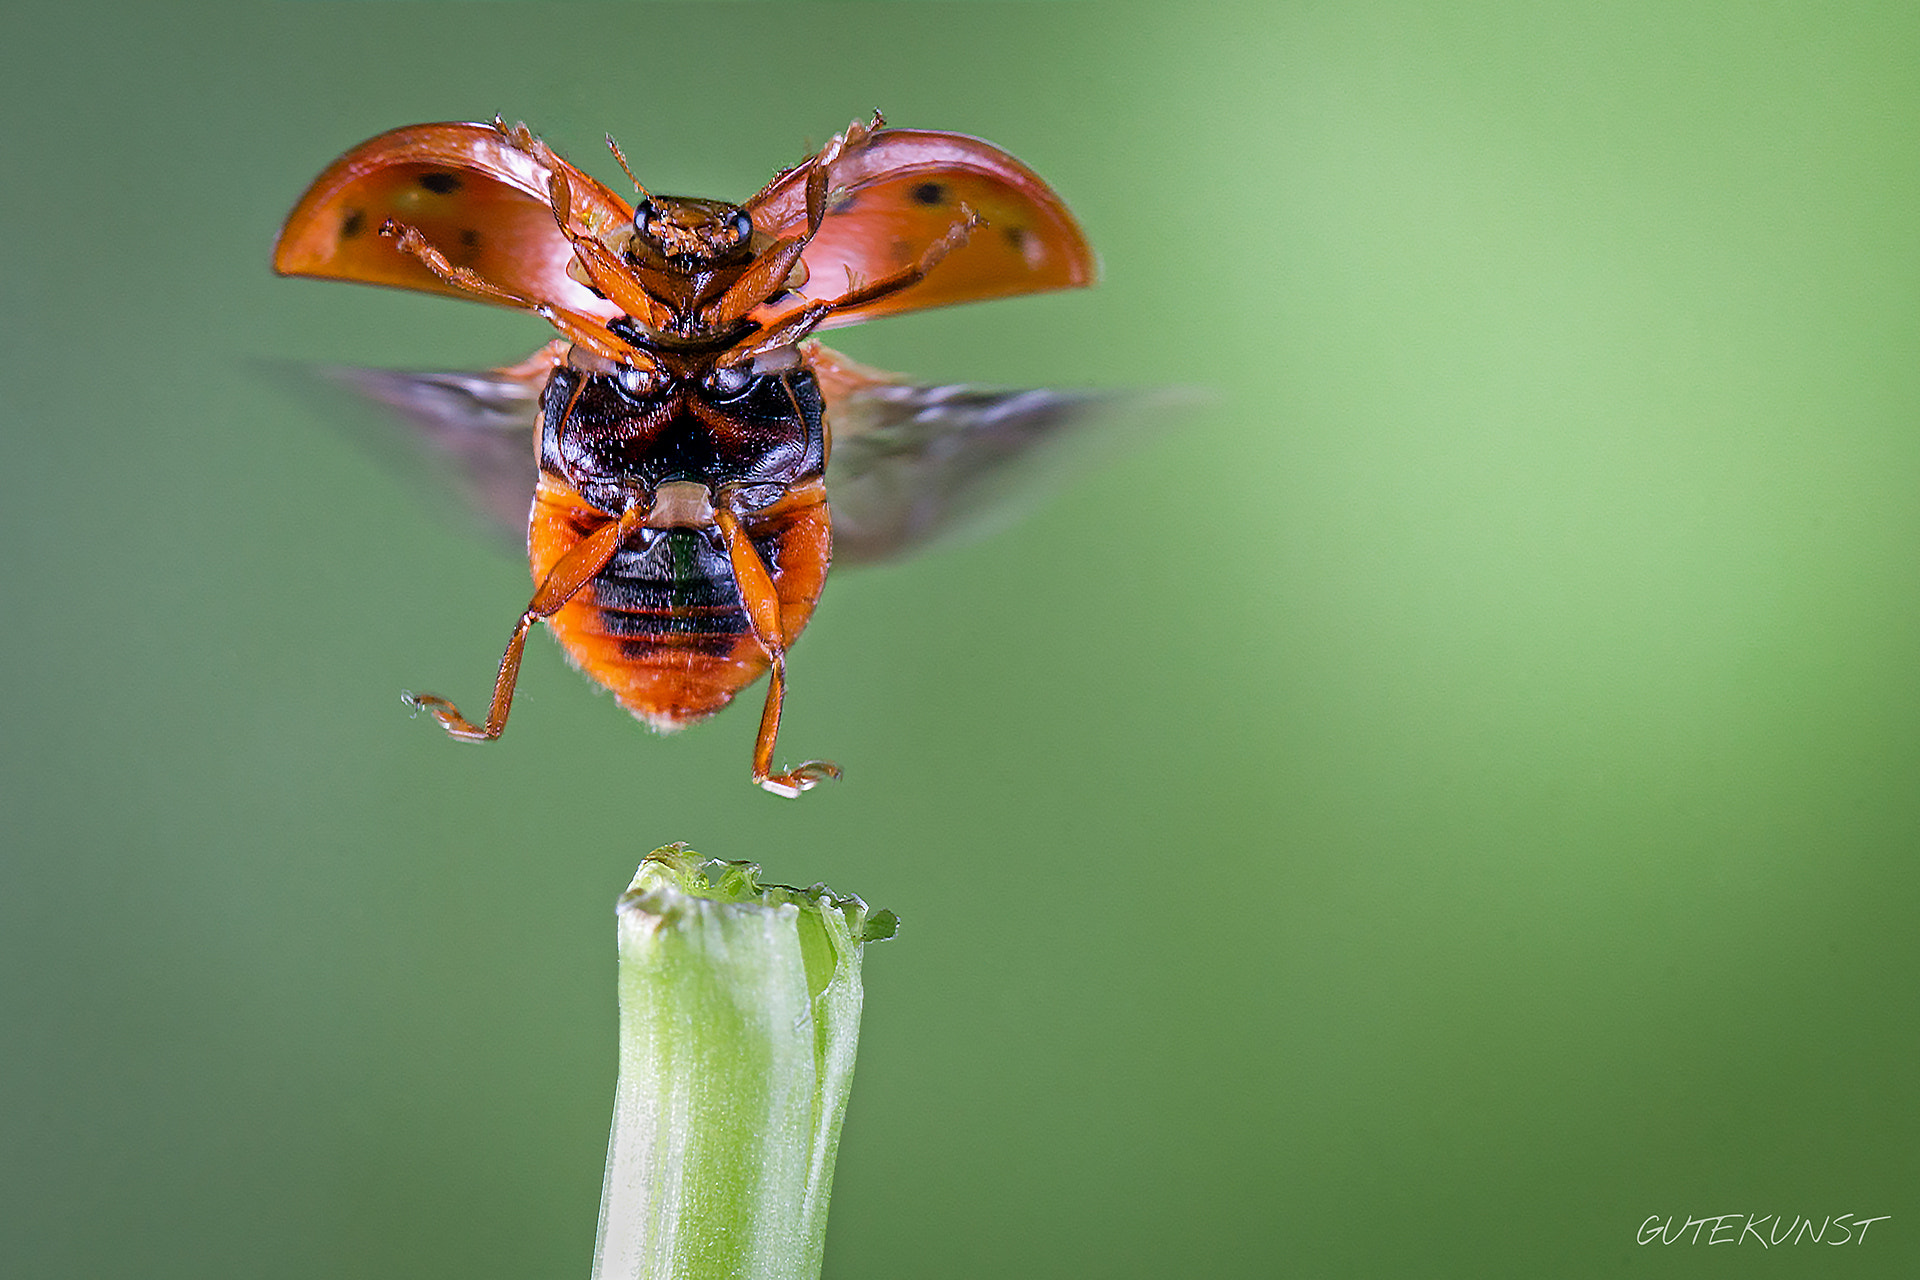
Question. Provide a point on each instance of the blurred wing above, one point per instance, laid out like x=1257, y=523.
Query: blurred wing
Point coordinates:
x=898, y=193
x=472, y=433
x=479, y=193
x=912, y=465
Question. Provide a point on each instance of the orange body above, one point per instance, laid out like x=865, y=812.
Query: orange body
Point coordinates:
x=674, y=661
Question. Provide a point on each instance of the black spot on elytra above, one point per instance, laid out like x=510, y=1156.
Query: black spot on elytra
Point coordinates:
x=353, y=224
x=930, y=193
x=441, y=184
x=469, y=237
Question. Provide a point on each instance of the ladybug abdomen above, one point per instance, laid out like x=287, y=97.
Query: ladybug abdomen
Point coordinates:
x=662, y=625
x=674, y=582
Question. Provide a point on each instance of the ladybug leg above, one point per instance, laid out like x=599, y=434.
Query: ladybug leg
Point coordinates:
x=574, y=571
x=575, y=325
x=409, y=240
x=957, y=235
x=762, y=604
x=763, y=279
x=820, y=174
x=803, y=321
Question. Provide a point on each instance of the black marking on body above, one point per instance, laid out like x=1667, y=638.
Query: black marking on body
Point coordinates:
x=605, y=440
x=645, y=648
x=930, y=193
x=353, y=224
x=441, y=184
x=670, y=583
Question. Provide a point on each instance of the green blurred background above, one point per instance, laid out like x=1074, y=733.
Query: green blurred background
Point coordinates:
x=1445, y=802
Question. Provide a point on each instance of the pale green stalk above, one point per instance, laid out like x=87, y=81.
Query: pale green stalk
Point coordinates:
x=739, y=1012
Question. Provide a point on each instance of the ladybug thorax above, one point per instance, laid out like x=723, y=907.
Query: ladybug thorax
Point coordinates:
x=617, y=436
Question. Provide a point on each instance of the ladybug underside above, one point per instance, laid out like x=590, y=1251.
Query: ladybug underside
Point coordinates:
x=679, y=534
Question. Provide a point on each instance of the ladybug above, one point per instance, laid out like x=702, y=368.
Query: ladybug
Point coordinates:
x=672, y=453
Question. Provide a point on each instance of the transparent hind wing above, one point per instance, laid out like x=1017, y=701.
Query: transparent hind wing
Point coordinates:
x=470, y=434
x=915, y=465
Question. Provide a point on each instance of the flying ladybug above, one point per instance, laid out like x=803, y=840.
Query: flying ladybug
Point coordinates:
x=689, y=458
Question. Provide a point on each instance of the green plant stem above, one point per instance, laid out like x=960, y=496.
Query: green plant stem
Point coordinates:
x=739, y=1015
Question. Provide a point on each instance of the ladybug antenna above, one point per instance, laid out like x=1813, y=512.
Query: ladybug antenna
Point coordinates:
x=615, y=148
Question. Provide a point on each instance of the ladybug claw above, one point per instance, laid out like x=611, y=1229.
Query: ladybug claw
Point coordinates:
x=802, y=777
x=446, y=715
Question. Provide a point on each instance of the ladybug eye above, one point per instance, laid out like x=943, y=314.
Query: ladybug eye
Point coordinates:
x=742, y=226
x=642, y=217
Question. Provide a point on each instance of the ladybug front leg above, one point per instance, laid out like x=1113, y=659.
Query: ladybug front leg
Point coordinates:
x=762, y=603
x=577, y=326
x=802, y=322
x=573, y=571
